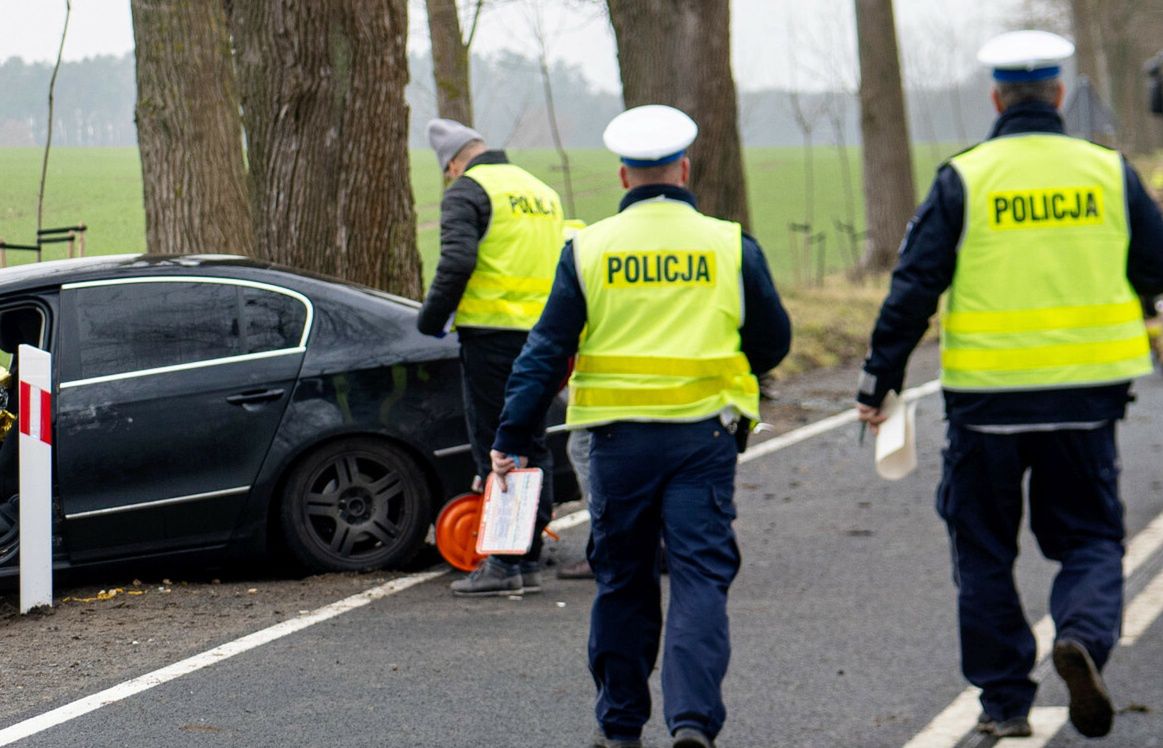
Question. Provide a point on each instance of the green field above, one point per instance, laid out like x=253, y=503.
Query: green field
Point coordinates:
x=101, y=187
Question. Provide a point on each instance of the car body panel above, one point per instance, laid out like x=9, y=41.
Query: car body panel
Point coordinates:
x=167, y=456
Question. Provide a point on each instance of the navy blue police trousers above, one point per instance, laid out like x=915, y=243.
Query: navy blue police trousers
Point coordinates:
x=1077, y=519
x=674, y=481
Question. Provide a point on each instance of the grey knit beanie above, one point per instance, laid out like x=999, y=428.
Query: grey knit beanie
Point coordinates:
x=447, y=137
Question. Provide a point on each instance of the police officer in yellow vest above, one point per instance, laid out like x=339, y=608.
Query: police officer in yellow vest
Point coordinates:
x=1043, y=242
x=671, y=314
x=501, y=232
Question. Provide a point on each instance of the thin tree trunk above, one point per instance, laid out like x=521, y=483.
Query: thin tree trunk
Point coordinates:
x=1113, y=39
x=189, y=130
x=327, y=128
x=889, y=196
x=562, y=156
x=678, y=52
x=449, y=61
x=1086, y=52
x=538, y=28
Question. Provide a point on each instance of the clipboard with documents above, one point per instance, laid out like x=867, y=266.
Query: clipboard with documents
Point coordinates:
x=508, y=517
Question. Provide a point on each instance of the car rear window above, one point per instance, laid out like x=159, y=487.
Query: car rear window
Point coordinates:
x=126, y=327
x=273, y=320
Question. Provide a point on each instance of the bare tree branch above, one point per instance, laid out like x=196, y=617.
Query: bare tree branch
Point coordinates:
x=52, y=84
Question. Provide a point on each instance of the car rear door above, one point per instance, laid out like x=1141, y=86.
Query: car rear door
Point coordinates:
x=171, y=391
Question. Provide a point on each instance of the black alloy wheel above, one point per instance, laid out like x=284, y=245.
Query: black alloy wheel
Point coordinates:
x=9, y=528
x=355, y=504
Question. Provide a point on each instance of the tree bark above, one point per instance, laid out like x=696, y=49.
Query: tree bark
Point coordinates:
x=189, y=130
x=1113, y=40
x=678, y=52
x=1086, y=52
x=327, y=129
x=449, y=62
x=889, y=196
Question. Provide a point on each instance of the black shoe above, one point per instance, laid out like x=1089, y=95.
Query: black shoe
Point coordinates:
x=1091, y=710
x=689, y=737
x=491, y=579
x=1014, y=727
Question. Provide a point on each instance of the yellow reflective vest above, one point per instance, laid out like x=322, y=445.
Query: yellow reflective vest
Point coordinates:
x=518, y=255
x=662, y=286
x=1040, y=296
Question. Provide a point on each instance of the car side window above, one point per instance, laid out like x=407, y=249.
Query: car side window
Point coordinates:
x=273, y=321
x=125, y=327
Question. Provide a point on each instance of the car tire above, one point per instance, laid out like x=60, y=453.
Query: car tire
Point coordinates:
x=355, y=504
x=9, y=529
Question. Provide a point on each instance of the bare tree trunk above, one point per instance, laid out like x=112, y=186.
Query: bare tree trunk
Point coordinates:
x=678, y=52
x=450, y=61
x=1086, y=52
x=889, y=196
x=848, y=226
x=189, y=130
x=562, y=156
x=1114, y=38
x=327, y=128
x=537, y=26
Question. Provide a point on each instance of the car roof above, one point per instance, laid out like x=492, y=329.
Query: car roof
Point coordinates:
x=50, y=273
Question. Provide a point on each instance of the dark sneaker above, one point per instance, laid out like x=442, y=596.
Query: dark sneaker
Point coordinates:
x=530, y=576
x=689, y=737
x=491, y=578
x=601, y=741
x=1091, y=710
x=576, y=570
x=1014, y=727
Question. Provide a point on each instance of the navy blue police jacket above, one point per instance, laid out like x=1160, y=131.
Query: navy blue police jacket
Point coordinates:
x=765, y=335
x=928, y=257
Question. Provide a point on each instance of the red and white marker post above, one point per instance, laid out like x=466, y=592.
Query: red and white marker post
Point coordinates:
x=35, y=477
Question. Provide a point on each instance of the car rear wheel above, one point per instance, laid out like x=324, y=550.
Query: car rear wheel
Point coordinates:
x=9, y=529
x=355, y=504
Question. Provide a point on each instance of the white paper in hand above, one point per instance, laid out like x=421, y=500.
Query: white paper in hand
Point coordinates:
x=508, y=516
x=896, y=440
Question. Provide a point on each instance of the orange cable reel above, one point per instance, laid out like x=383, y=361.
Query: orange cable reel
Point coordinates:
x=457, y=526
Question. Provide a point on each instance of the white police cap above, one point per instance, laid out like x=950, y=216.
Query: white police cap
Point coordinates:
x=1024, y=56
x=650, y=135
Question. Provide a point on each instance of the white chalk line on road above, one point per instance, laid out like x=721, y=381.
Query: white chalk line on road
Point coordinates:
x=776, y=443
x=111, y=695
x=189, y=665
x=957, y=720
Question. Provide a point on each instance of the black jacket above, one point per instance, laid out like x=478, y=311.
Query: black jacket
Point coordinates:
x=465, y=213
x=928, y=257
x=765, y=336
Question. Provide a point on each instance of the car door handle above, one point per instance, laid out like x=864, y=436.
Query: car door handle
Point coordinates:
x=254, y=396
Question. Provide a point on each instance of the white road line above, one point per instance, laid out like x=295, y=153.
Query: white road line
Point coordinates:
x=951, y=725
x=57, y=716
x=570, y=520
x=145, y=682
x=764, y=448
x=954, y=723
x=1143, y=611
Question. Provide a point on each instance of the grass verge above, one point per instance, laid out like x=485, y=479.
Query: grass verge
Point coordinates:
x=831, y=324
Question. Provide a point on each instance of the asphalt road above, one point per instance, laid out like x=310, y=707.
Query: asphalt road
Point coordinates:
x=842, y=622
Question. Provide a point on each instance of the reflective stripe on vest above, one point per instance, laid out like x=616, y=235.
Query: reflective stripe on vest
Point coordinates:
x=1040, y=296
x=663, y=304
x=518, y=255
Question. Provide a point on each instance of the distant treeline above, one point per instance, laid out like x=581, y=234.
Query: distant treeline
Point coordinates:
x=95, y=103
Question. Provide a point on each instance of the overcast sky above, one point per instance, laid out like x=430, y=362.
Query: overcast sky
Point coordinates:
x=775, y=43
